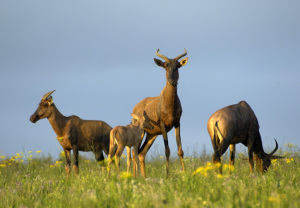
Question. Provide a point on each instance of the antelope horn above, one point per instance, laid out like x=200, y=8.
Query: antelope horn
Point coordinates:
x=45, y=97
x=271, y=153
x=180, y=56
x=161, y=56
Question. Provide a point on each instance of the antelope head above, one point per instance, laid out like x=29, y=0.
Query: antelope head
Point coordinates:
x=145, y=119
x=43, y=110
x=266, y=160
x=171, y=66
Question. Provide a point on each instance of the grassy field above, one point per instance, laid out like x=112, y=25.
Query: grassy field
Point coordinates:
x=31, y=179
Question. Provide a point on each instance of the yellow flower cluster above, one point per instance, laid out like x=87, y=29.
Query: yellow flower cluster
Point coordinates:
x=57, y=163
x=15, y=159
x=208, y=167
x=276, y=198
x=125, y=175
x=289, y=160
x=203, y=169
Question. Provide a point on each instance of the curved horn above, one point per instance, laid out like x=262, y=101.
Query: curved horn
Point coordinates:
x=161, y=56
x=45, y=97
x=271, y=153
x=180, y=56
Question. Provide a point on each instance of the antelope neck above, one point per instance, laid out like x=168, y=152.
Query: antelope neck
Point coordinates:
x=58, y=121
x=170, y=92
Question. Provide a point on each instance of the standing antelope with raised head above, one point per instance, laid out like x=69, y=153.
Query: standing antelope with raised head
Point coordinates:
x=74, y=133
x=165, y=110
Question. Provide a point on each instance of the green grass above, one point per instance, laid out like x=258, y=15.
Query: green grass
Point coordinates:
x=33, y=180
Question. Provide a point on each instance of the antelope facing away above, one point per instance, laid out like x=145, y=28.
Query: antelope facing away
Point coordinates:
x=74, y=133
x=128, y=136
x=165, y=110
x=238, y=124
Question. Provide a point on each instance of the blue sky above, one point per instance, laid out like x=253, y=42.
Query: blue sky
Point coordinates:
x=98, y=56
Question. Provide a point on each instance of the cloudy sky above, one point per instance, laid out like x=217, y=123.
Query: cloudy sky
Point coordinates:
x=98, y=56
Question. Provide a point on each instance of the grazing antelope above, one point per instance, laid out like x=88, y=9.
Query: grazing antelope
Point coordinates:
x=165, y=110
x=74, y=133
x=238, y=124
x=128, y=136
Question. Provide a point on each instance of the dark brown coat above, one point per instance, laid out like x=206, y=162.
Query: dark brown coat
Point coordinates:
x=238, y=124
x=165, y=110
x=74, y=133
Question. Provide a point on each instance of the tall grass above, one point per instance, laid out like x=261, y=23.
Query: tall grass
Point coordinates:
x=31, y=179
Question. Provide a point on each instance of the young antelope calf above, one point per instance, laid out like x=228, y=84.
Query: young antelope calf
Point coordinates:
x=128, y=136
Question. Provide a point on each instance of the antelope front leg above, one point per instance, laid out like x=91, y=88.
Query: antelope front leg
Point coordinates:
x=99, y=156
x=143, y=151
x=75, y=159
x=250, y=154
x=167, y=149
x=178, y=140
x=259, y=166
x=135, y=153
x=68, y=161
x=231, y=157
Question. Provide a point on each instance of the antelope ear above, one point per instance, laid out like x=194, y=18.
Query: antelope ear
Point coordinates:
x=134, y=116
x=184, y=61
x=50, y=101
x=158, y=62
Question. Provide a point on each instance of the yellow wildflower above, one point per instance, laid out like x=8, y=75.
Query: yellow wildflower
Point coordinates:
x=39, y=151
x=29, y=152
x=2, y=165
x=2, y=156
x=274, y=198
x=220, y=176
x=201, y=170
x=289, y=160
x=87, y=161
x=51, y=166
x=217, y=165
x=62, y=154
x=126, y=175
x=231, y=168
x=58, y=162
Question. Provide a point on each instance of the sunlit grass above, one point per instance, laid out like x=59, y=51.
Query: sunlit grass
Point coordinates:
x=31, y=179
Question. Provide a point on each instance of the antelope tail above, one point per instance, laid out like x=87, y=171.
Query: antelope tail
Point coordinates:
x=215, y=137
x=113, y=137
